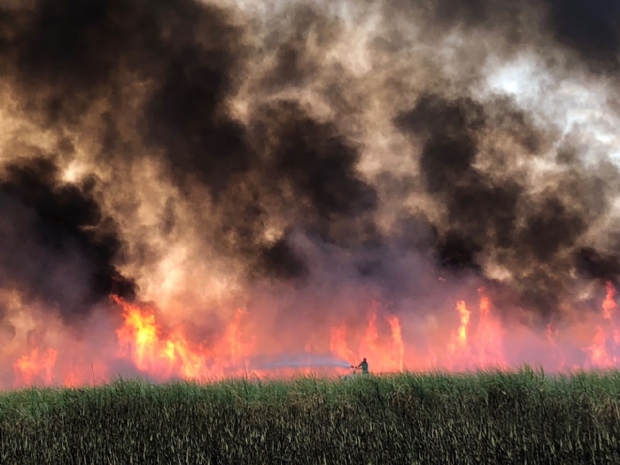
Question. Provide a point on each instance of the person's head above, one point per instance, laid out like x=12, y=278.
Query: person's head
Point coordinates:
x=364, y=360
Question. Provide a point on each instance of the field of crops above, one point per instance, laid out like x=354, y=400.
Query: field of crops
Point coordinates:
x=484, y=418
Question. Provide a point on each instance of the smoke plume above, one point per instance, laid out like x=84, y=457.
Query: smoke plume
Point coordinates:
x=205, y=154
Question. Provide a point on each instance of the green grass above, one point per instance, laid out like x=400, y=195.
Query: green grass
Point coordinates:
x=480, y=418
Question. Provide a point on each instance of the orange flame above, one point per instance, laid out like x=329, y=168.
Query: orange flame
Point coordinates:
x=489, y=336
x=338, y=344
x=464, y=314
x=609, y=305
x=30, y=367
x=475, y=340
x=165, y=355
x=369, y=342
x=482, y=349
x=599, y=357
x=458, y=344
x=398, y=349
x=603, y=350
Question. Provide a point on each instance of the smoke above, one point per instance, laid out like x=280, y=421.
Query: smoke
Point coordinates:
x=307, y=361
x=57, y=247
x=496, y=214
x=203, y=151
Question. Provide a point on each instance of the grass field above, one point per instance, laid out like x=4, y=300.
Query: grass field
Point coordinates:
x=482, y=418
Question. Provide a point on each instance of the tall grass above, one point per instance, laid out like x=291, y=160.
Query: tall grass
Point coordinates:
x=487, y=417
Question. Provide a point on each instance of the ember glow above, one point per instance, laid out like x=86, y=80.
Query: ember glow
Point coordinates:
x=212, y=189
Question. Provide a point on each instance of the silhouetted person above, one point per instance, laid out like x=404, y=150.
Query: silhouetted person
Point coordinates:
x=364, y=366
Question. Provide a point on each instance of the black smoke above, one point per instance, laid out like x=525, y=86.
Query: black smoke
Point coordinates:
x=494, y=215
x=57, y=247
x=590, y=28
x=157, y=80
x=304, y=172
x=68, y=56
x=587, y=29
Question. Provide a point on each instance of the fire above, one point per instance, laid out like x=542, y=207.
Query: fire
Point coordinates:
x=338, y=345
x=464, y=315
x=609, y=305
x=599, y=358
x=474, y=338
x=484, y=347
x=141, y=331
x=458, y=345
x=33, y=366
x=165, y=355
x=369, y=343
x=489, y=336
x=387, y=353
x=603, y=350
x=398, y=349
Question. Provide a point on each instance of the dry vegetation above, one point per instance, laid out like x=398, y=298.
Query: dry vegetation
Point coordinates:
x=483, y=418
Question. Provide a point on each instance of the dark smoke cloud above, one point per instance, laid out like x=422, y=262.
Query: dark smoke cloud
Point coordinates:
x=304, y=172
x=57, y=248
x=70, y=55
x=314, y=163
x=156, y=82
x=538, y=237
x=589, y=29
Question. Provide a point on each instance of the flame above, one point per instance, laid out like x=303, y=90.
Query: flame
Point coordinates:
x=489, y=336
x=599, y=357
x=398, y=347
x=370, y=347
x=609, y=305
x=475, y=339
x=30, y=367
x=164, y=355
x=604, y=347
x=457, y=347
x=483, y=348
x=369, y=342
x=338, y=344
x=464, y=315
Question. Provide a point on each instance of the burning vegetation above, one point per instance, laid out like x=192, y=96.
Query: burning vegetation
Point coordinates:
x=200, y=190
